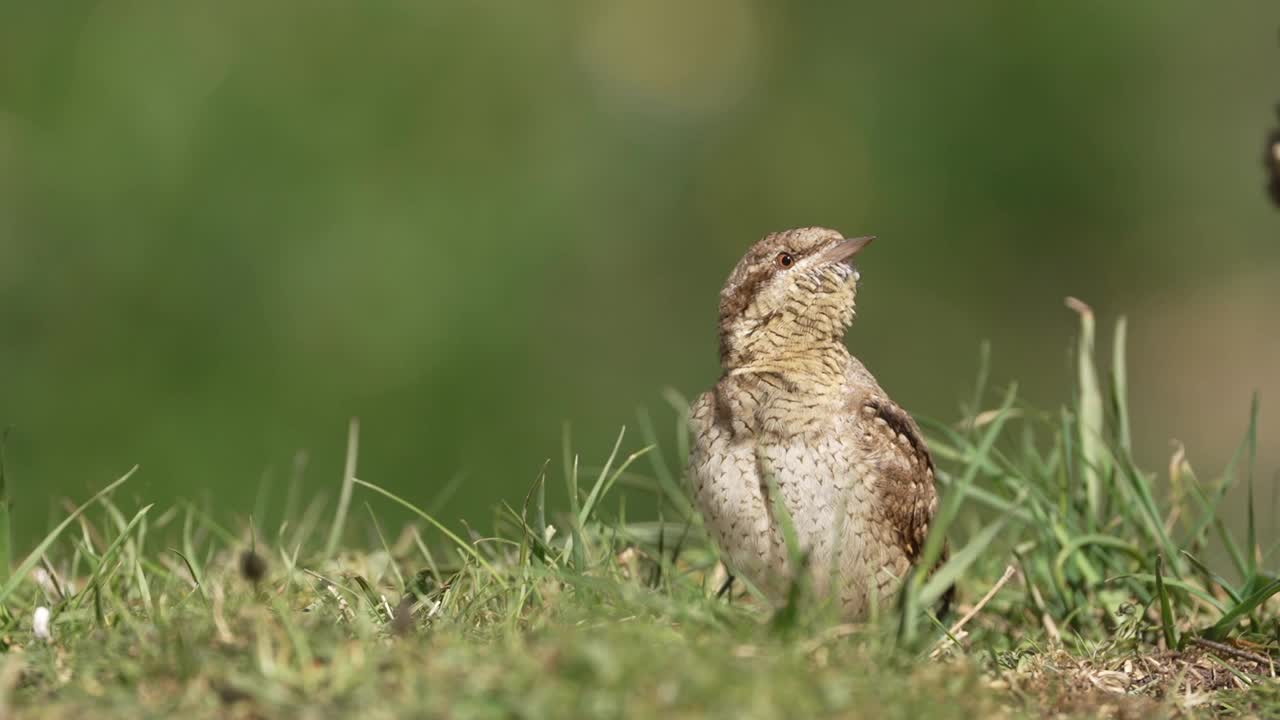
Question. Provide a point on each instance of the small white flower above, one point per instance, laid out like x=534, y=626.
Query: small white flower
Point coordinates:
x=549, y=533
x=40, y=624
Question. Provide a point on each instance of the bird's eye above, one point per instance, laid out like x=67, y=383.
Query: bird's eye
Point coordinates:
x=785, y=260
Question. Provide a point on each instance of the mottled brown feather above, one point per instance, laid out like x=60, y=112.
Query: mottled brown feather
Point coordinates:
x=907, y=495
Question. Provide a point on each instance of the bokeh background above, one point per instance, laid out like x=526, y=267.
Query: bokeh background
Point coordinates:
x=225, y=228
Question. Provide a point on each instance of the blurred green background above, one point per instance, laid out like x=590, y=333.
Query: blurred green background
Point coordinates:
x=225, y=228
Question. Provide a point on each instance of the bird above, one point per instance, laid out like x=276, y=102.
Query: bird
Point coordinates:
x=796, y=414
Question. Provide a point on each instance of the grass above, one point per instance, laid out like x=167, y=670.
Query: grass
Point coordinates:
x=1084, y=591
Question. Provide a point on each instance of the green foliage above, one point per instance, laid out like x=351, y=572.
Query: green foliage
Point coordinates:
x=37, y=554
x=1091, y=533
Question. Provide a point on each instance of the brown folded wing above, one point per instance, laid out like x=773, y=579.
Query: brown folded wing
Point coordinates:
x=905, y=493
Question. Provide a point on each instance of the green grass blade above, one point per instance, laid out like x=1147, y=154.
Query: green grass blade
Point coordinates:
x=189, y=550
x=958, y=491
x=612, y=480
x=914, y=596
x=946, y=576
x=570, y=469
x=446, y=493
x=540, y=502
x=1211, y=518
x=1149, y=516
x=39, y=551
x=1233, y=548
x=680, y=404
x=1120, y=386
x=1208, y=506
x=573, y=550
x=986, y=497
x=109, y=554
x=1190, y=588
x=1075, y=544
x=667, y=480
x=1223, y=627
x=1166, y=607
x=980, y=387
x=463, y=545
x=595, y=494
x=1090, y=413
x=391, y=556
x=1217, y=579
x=195, y=577
x=344, y=499
x=1251, y=531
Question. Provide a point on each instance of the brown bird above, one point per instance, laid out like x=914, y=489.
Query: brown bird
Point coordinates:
x=795, y=411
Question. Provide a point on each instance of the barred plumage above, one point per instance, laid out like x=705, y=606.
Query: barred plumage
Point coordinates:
x=796, y=412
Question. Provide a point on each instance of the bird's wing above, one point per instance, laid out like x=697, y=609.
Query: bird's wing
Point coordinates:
x=906, y=495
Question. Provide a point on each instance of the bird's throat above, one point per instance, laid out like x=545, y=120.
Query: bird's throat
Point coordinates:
x=782, y=395
x=816, y=368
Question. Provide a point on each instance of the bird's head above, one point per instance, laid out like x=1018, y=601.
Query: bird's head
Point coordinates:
x=792, y=292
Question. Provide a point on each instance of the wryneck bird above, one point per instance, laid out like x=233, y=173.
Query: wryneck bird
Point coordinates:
x=795, y=413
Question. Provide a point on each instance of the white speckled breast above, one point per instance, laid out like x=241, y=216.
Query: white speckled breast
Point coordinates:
x=823, y=478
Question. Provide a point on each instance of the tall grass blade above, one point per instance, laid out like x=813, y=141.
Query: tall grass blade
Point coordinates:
x=1251, y=532
x=595, y=493
x=951, y=571
x=1188, y=587
x=463, y=545
x=958, y=490
x=39, y=551
x=446, y=493
x=1073, y=545
x=980, y=387
x=680, y=404
x=344, y=499
x=1120, y=386
x=195, y=577
x=573, y=546
x=386, y=548
x=1223, y=627
x=1139, y=487
x=1212, y=577
x=914, y=595
x=109, y=554
x=1090, y=412
x=1166, y=607
x=1210, y=506
x=570, y=469
x=667, y=481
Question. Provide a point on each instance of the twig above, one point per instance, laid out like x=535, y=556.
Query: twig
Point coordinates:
x=53, y=578
x=1235, y=652
x=1009, y=572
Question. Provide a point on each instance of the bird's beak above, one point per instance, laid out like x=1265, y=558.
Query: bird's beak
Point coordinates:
x=846, y=249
